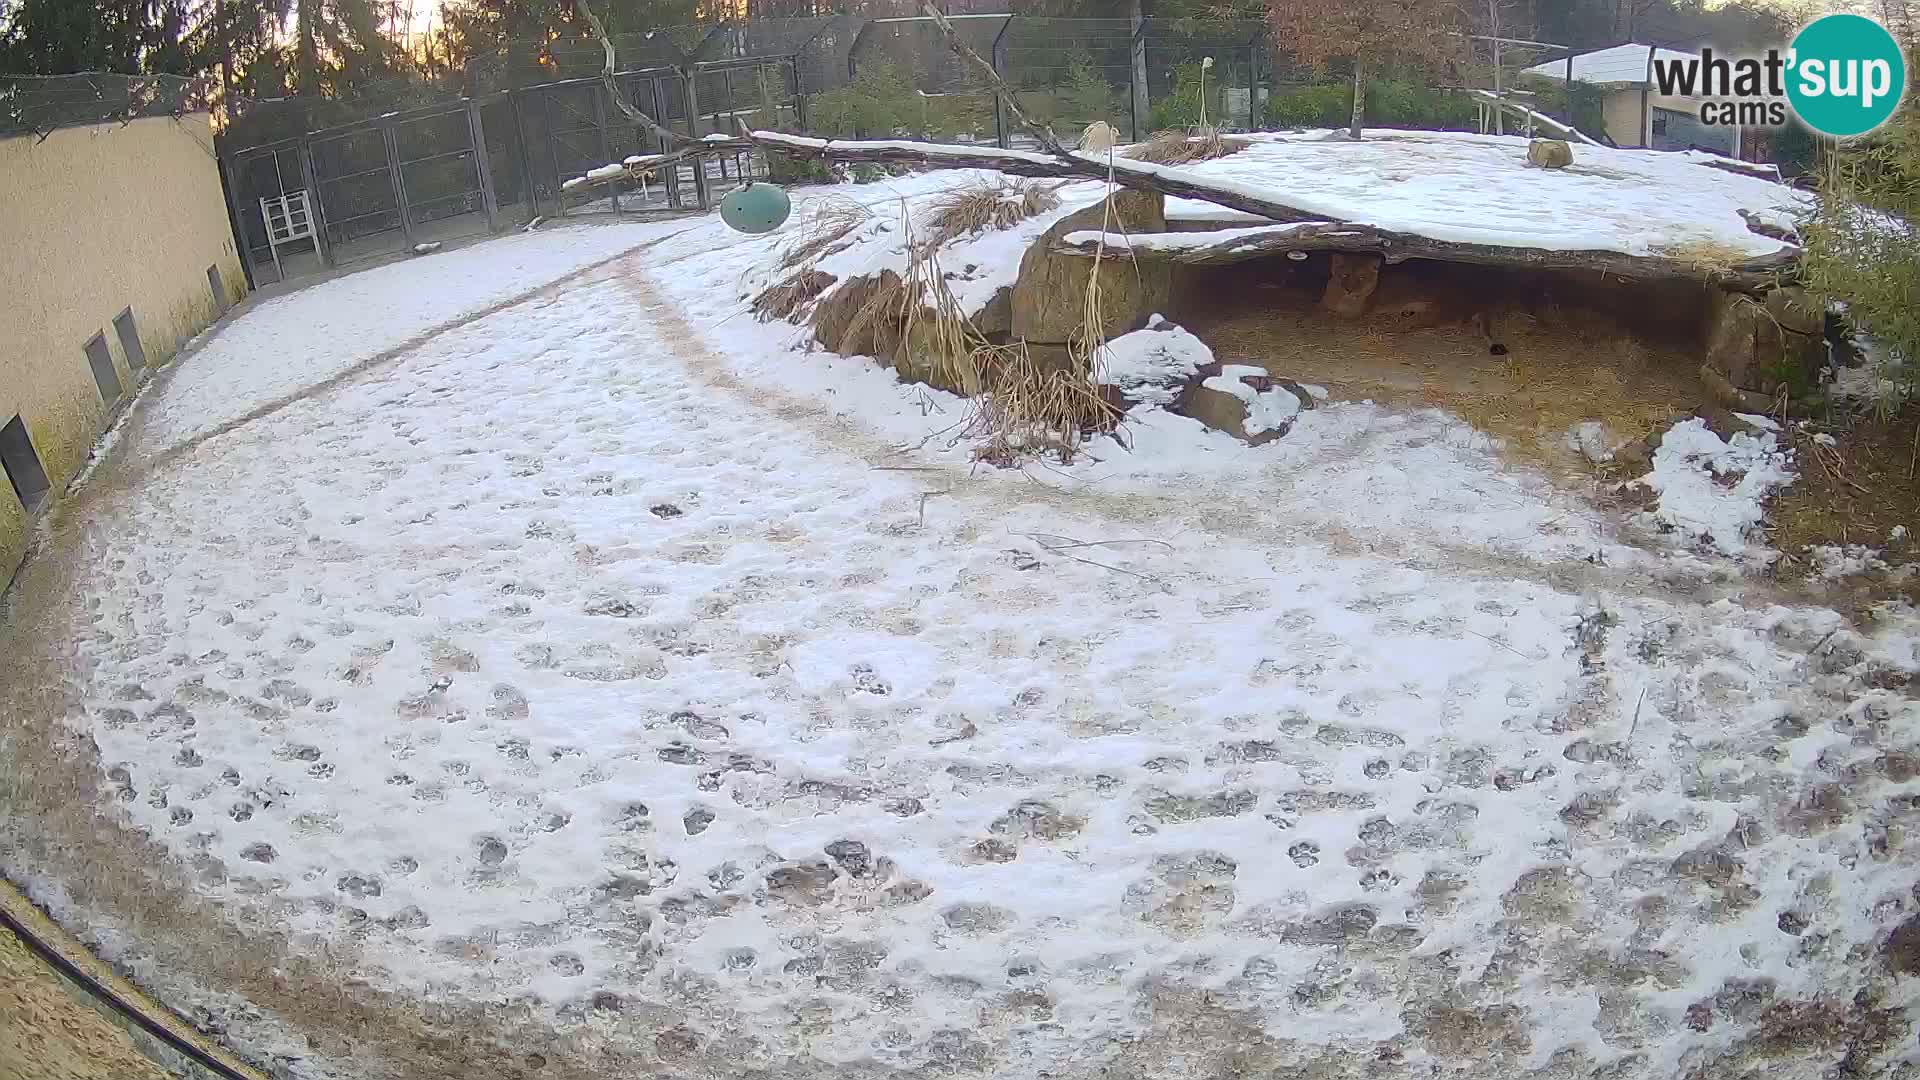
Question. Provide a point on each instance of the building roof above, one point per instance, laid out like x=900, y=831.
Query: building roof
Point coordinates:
x=1621, y=65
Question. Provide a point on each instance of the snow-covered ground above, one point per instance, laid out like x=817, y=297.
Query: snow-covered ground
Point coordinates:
x=612, y=644
x=304, y=337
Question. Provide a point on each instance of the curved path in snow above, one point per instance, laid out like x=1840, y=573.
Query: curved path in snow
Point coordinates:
x=632, y=710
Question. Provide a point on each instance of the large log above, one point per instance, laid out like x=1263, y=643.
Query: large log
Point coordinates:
x=1266, y=241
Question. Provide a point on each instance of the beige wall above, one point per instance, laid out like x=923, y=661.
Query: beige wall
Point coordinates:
x=94, y=220
x=1623, y=111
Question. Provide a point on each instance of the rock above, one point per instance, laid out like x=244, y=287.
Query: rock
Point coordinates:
x=852, y=855
x=1352, y=283
x=1795, y=310
x=1727, y=396
x=1242, y=401
x=1902, y=952
x=995, y=321
x=1724, y=423
x=1743, y=340
x=839, y=325
x=1549, y=154
x=1050, y=295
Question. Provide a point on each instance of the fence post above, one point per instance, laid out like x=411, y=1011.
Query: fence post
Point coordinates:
x=392, y=142
x=1142, y=104
x=315, y=210
x=482, y=166
x=1000, y=138
x=230, y=187
x=600, y=103
x=692, y=75
x=527, y=187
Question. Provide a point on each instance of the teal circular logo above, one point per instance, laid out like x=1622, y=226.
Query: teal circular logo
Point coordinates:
x=1846, y=75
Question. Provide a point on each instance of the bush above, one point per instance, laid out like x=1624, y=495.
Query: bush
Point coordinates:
x=1181, y=108
x=1085, y=96
x=1323, y=105
x=1863, y=243
x=1390, y=103
x=878, y=103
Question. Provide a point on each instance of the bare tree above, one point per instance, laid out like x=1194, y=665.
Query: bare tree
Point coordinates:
x=1369, y=34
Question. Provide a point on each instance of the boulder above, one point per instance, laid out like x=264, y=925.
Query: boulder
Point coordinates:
x=1742, y=338
x=1243, y=401
x=1729, y=396
x=1796, y=310
x=1049, y=299
x=995, y=321
x=842, y=324
x=1351, y=284
x=1549, y=154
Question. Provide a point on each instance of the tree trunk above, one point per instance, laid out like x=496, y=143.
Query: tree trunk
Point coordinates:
x=1493, y=30
x=1359, y=94
x=306, y=50
x=1142, y=105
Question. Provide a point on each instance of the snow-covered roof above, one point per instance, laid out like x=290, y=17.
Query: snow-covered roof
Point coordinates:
x=1622, y=64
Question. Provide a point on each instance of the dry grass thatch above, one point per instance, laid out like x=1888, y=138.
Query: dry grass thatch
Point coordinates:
x=1704, y=254
x=1184, y=146
x=988, y=205
x=828, y=224
x=790, y=297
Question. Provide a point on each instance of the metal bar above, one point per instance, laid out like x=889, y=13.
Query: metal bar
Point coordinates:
x=482, y=166
x=553, y=155
x=229, y=188
x=353, y=175
x=363, y=217
x=693, y=118
x=399, y=186
x=316, y=211
x=999, y=55
x=527, y=186
x=600, y=104
x=468, y=149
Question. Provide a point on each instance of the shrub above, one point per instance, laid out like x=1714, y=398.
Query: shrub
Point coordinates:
x=1863, y=242
x=876, y=104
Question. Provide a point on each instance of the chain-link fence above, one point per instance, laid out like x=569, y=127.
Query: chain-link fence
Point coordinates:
x=429, y=167
x=41, y=104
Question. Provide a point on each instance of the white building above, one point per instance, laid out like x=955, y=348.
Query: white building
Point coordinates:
x=1635, y=112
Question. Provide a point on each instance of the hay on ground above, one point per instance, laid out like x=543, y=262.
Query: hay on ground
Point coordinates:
x=828, y=224
x=790, y=297
x=1184, y=146
x=988, y=205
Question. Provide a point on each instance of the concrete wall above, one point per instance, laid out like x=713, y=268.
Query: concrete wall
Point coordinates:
x=1622, y=110
x=94, y=220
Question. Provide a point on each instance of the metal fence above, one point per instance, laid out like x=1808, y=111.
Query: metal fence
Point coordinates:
x=540, y=115
x=41, y=104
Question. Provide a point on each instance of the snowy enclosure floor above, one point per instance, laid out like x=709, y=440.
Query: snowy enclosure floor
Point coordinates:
x=604, y=645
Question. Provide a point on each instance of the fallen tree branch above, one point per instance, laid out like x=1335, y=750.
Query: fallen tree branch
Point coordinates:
x=667, y=136
x=1539, y=119
x=1265, y=241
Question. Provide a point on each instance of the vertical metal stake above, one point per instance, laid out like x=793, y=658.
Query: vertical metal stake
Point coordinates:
x=482, y=166
x=399, y=182
x=315, y=207
x=600, y=104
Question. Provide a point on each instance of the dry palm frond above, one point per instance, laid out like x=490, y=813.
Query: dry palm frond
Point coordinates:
x=1182, y=146
x=987, y=205
x=829, y=222
x=787, y=299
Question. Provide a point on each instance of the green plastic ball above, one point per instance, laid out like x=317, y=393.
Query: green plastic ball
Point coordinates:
x=756, y=208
